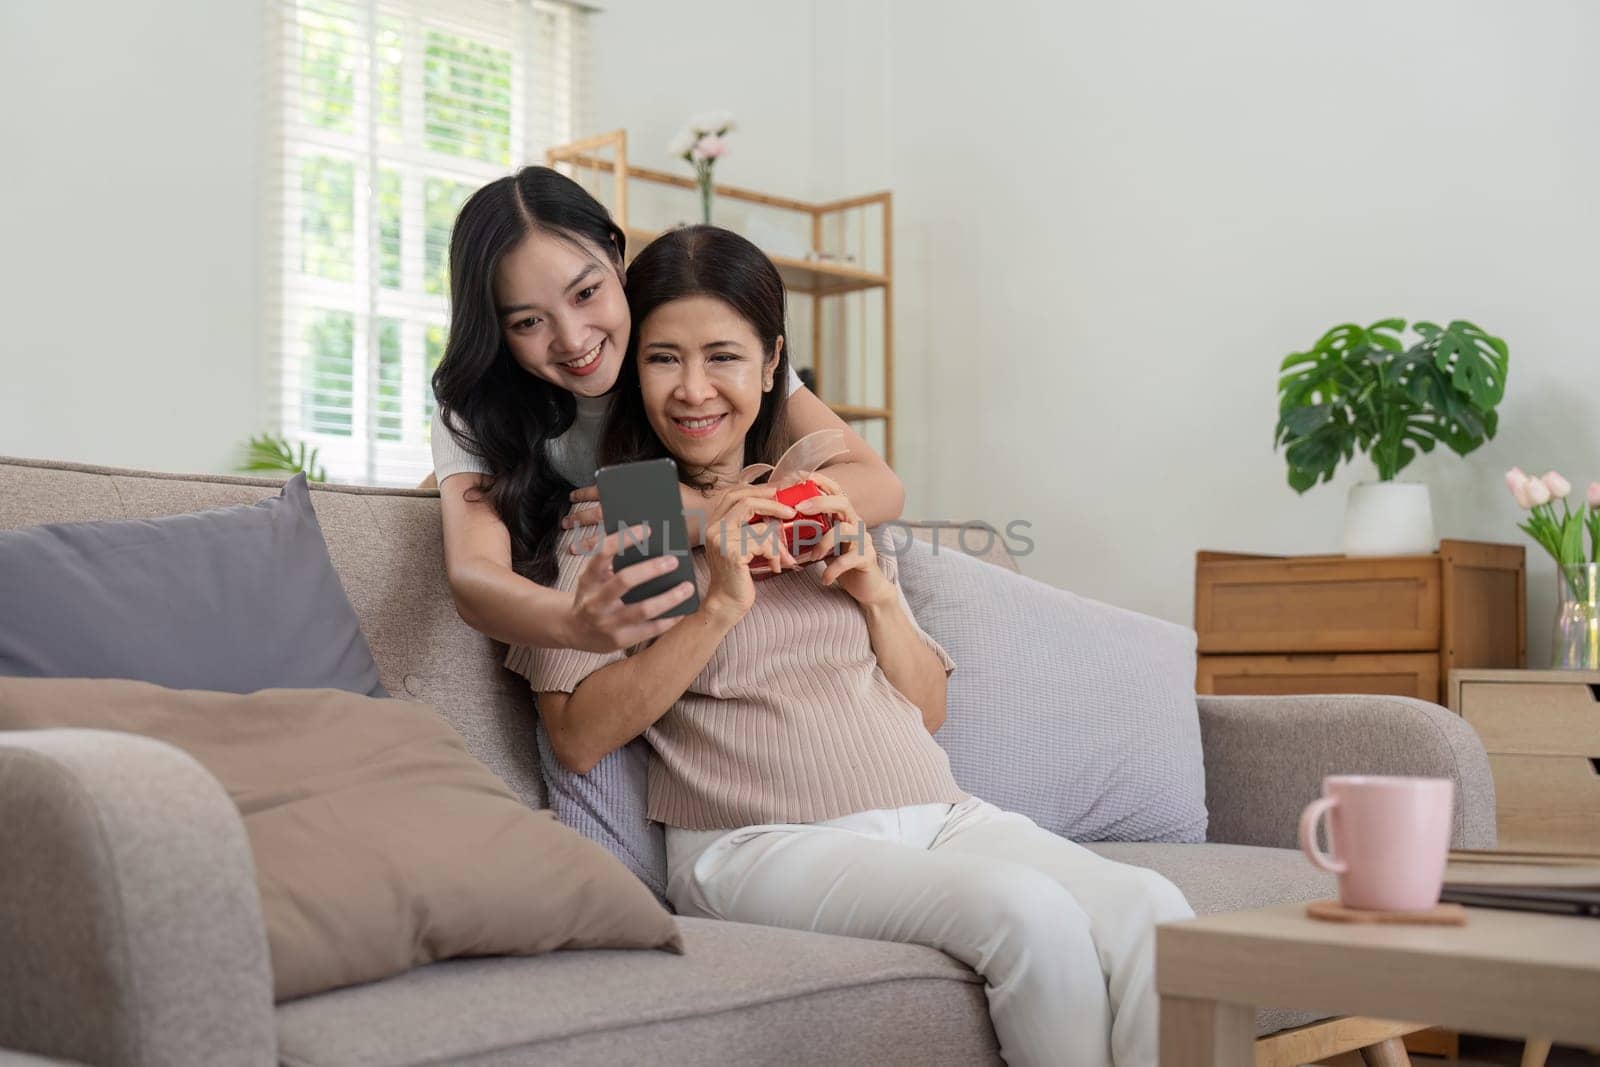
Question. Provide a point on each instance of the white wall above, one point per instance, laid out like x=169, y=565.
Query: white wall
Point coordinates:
x=657, y=64
x=1115, y=219
x=129, y=284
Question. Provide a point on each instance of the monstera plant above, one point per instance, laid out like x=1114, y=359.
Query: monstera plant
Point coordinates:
x=1362, y=388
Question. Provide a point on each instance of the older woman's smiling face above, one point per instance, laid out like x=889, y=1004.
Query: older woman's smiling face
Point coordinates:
x=703, y=373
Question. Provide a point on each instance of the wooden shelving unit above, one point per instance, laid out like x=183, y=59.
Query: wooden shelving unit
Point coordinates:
x=852, y=256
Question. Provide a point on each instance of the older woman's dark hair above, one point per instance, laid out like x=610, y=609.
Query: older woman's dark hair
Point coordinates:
x=496, y=410
x=700, y=261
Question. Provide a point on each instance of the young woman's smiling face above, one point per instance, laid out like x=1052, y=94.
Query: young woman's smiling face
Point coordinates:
x=702, y=373
x=562, y=312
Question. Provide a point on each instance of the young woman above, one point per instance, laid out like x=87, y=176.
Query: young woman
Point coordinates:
x=539, y=324
x=790, y=721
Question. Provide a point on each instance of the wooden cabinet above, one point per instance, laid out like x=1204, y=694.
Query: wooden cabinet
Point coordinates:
x=1406, y=674
x=1542, y=733
x=1336, y=624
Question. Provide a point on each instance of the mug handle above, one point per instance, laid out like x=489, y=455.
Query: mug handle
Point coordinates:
x=1308, y=836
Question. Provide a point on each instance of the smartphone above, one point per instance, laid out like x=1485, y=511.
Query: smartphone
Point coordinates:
x=647, y=492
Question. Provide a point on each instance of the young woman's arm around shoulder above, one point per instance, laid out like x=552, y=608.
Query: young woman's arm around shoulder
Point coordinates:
x=495, y=600
x=862, y=474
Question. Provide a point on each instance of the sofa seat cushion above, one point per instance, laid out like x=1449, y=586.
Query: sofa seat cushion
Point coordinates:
x=739, y=993
x=1226, y=877
x=1233, y=878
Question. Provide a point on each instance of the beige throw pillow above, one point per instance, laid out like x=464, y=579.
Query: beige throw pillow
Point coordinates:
x=380, y=844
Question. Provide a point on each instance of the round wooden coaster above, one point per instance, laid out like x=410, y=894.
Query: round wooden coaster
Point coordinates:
x=1439, y=915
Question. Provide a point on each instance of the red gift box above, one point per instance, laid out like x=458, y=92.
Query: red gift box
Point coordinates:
x=801, y=533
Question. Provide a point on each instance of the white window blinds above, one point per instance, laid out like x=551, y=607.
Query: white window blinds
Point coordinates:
x=389, y=113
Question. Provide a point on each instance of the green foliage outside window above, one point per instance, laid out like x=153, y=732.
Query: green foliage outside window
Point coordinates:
x=330, y=340
x=466, y=92
x=390, y=421
x=328, y=218
x=461, y=109
x=433, y=338
x=442, y=200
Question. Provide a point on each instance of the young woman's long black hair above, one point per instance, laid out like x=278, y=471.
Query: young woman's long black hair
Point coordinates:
x=507, y=415
x=700, y=261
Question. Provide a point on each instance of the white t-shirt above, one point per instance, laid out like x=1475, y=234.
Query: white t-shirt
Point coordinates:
x=572, y=455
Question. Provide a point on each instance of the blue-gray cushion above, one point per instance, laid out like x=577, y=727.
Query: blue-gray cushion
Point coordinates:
x=608, y=806
x=1075, y=713
x=230, y=599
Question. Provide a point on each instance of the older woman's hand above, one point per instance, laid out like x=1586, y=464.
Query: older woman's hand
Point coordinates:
x=741, y=528
x=855, y=569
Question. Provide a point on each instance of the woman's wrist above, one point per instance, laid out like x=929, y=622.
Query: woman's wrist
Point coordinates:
x=882, y=603
x=565, y=623
x=722, y=609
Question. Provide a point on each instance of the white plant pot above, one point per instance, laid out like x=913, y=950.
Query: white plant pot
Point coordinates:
x=1389, y=519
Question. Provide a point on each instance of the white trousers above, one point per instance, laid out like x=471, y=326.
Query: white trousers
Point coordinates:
x=1064, y=939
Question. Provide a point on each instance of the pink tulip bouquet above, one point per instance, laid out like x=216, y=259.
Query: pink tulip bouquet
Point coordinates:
x=1560, y=535
x=701, y=144
x=1575, y=639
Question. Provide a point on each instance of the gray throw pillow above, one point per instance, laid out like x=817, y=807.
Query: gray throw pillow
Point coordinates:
x=1077, y=714
x=230, y=599
x=608, y=806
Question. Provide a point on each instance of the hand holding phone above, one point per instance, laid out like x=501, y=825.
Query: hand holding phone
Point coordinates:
x=647, y=493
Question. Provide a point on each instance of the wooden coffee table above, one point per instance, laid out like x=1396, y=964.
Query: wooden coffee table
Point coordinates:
x=1506, y=973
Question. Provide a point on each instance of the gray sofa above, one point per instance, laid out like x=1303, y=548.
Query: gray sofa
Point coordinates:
x=130, y=932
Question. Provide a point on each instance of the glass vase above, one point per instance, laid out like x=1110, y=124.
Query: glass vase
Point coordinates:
x=1575, y=641
x=706, y=195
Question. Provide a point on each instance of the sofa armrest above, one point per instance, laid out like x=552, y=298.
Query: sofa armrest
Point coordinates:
x=130, y=922
x=1266, y=758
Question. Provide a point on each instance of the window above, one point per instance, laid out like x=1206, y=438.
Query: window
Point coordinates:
x=389, y=114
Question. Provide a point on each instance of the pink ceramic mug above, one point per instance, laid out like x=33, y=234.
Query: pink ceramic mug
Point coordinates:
x=1388, y=838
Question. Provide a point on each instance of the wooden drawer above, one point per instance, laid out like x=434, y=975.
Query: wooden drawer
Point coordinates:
x=1396, y=674
x=1318, y=604
x=1547, y=803
x=1534, y=718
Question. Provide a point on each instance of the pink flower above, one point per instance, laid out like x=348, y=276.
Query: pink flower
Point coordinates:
x=1594, y=494
x=708, y=147
x=1559, y=487
x=1538, y=492
x=1517, y=482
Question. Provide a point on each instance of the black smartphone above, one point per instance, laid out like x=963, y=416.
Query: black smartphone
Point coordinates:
x=647, y=492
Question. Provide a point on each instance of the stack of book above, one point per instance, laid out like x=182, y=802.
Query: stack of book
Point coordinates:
x=1524, y=881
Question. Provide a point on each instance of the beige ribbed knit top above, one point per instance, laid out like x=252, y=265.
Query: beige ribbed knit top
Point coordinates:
x=791, y=720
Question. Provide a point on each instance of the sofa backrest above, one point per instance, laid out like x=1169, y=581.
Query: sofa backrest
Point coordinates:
x=388, y=548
